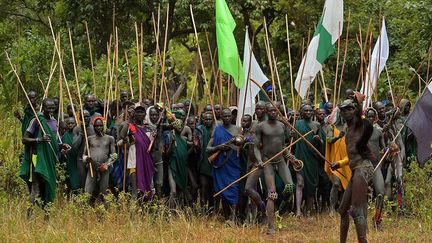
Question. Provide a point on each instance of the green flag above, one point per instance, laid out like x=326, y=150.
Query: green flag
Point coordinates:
x=229, y=59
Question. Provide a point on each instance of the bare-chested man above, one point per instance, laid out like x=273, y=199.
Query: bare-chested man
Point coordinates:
x=270, y=138
x=376, y=144
x=360, y=161
x=100, y=156
x=79, y=144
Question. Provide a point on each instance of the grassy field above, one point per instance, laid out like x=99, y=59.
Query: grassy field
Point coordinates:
x=77, y=222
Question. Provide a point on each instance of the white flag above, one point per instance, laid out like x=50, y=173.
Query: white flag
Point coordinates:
x=377, y=63
x=252, y=89
x=321, y=46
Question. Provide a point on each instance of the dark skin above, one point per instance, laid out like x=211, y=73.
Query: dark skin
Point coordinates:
x=32, y=95
x=329, y=107
x=48, y=109
x=260, y=110
x=101, y=146
x=328, y=96
x=349, y=93
x=246, y=122
x=218, y=111
x=70, y=123
x=381, y=109
x=154, y=115
x=307, y=113
x=124, y=96
x=234, y=130
x=208, y=108
x=89, y=101
x=320, y=115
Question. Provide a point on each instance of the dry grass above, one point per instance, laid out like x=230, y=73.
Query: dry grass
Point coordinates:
x=76, y=222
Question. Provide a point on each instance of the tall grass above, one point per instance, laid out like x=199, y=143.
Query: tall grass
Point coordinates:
x=73, y=220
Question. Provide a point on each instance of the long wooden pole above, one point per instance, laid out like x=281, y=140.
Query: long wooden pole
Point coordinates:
x=163, y=81
x=345, y=56
x=264, y=164
x=129, y=75
x=337, y=68
x=79, y=99
x=91, y=58
x=279, y=84
x=289, y=62
x=31, y=106
x=201, y=61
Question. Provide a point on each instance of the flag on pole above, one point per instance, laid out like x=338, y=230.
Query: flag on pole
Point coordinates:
x=229, y=59
x=418, y=121
x=251, y=89
x=377, y=63
x=321, y=46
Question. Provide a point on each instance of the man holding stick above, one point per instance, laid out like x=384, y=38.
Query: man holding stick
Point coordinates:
x=270, y=138
x=38, y=167
x=103, y=155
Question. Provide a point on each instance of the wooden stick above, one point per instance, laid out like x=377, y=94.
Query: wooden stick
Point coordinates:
x=106, y=78
x=248, y=84
x=129, y=74
x=49, y=82
x=31, y=106
x=163, y=83
x=80, y=102
x=305, y=59
x=141, y=58
x=57, y=47
x=289, y=62
x=345, y=55
x=337, y=68
x=268, y=50
x=193, y=92
x=287, y=123
x=201, y=60
x=117, y=89
x=91, y=58
x=279, y=84
x=264, y=164
x=138, y=63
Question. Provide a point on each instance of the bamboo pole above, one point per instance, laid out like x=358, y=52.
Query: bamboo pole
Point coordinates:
x=201, y=60
x=91, y=58
x=80, y=102
x=289, y=62
x=345, y=56
x=337, y=68
x=264, y=164
x=129, y=75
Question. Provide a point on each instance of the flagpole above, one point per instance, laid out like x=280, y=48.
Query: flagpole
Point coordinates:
x=304, y=63
x=248, y=74
x=337, y=67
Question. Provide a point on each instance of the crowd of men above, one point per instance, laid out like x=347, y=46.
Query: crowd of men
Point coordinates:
x=182, y=157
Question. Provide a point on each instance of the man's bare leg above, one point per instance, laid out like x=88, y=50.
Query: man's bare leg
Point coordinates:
x=251, y=184
x=272, y=196
x=299, y=193
x=334, y=193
